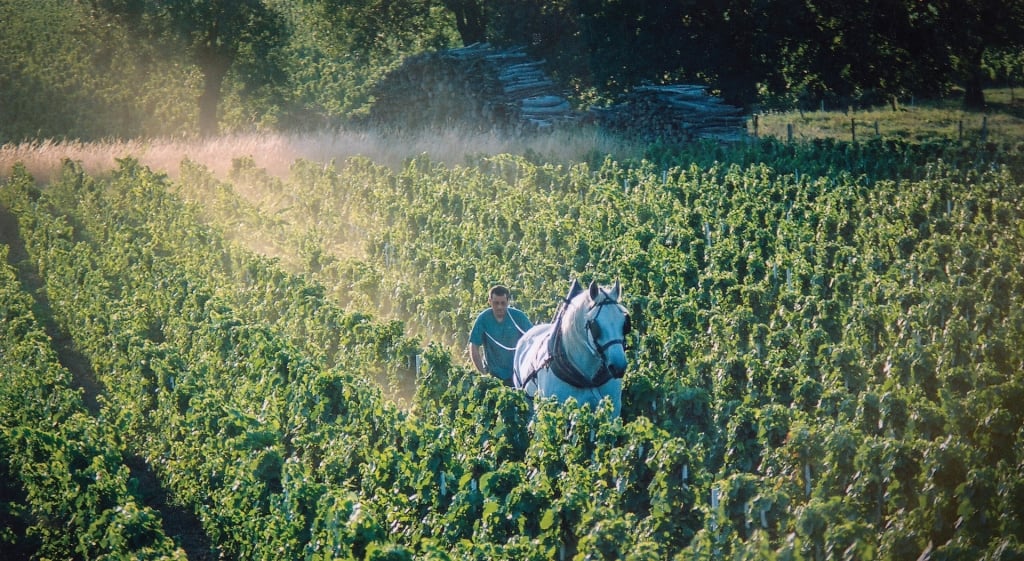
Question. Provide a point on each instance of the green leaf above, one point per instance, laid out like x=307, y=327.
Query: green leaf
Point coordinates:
x=490, y=507
x=485, y=481
x=548, y=519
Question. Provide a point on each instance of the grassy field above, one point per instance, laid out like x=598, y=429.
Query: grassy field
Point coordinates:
x=1002, y=123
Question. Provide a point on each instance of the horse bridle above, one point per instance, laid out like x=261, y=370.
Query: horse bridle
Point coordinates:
x=595, y=330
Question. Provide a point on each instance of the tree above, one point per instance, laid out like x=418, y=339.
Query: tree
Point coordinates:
x=968, y=29
x=874, y=49
x=469, y=19
x=341, y=49
x=866, y=50
x=216, y=32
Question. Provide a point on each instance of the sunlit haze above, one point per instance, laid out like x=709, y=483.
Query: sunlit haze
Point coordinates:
x=276, y=152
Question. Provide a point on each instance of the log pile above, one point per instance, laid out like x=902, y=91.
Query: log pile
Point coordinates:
x=478, y=87
x=481, y=87
x=674, y=113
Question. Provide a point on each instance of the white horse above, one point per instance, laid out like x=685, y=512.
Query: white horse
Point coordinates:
x=581, y=354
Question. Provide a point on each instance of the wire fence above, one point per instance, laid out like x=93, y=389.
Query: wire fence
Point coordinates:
x=862, y=129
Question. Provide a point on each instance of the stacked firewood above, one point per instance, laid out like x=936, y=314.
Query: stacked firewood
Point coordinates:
x=674, y=113
x=482, y=87
x=478, y=86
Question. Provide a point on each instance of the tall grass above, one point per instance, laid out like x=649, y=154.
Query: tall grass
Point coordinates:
x=276, y=152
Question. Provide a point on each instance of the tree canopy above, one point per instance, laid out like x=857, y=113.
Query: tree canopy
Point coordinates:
x=141, y=67
x=758, y=51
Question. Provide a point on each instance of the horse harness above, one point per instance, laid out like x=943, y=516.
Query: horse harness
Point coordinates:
x=558, y=360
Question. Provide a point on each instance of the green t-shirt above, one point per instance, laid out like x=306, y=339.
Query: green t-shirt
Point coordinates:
x=499, y=339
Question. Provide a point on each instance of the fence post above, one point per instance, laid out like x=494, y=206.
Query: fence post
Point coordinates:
x=853, y=129
x=714, y=506
x=789, y=132
x=984, y=128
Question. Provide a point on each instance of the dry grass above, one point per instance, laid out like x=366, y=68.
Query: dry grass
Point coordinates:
x=276, y=152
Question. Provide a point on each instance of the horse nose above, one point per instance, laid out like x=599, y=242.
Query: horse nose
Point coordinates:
x=617, y=368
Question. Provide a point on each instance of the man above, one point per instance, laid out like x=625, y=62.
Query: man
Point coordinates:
x=492, y=342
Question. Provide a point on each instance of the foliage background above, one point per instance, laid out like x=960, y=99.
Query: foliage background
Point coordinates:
x=128, y=68
x=828, y=335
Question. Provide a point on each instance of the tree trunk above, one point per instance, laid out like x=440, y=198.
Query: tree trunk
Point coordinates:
x=974, y=98
x=974, y=95
x=469, y=19
x=214, y=66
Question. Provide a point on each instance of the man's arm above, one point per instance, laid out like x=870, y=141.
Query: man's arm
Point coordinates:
x=476, y=353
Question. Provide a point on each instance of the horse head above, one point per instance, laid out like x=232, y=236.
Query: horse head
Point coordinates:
x=582, y=353
x=607, y=325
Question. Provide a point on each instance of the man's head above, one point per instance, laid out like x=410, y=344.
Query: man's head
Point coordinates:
x=499, y=298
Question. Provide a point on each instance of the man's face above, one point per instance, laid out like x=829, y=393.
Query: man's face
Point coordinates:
x=499, y=305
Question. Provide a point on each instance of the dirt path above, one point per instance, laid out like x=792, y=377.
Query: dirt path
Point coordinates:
x=178, y=523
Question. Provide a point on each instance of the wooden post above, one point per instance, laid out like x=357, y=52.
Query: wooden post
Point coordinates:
x=789, y=132
x=984, y=128
x=755, y=125
x=876, y=128
x=853, y=129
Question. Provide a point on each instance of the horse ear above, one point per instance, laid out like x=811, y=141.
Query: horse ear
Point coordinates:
x=617, y=290
x=595, y=290
x=574, y=289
